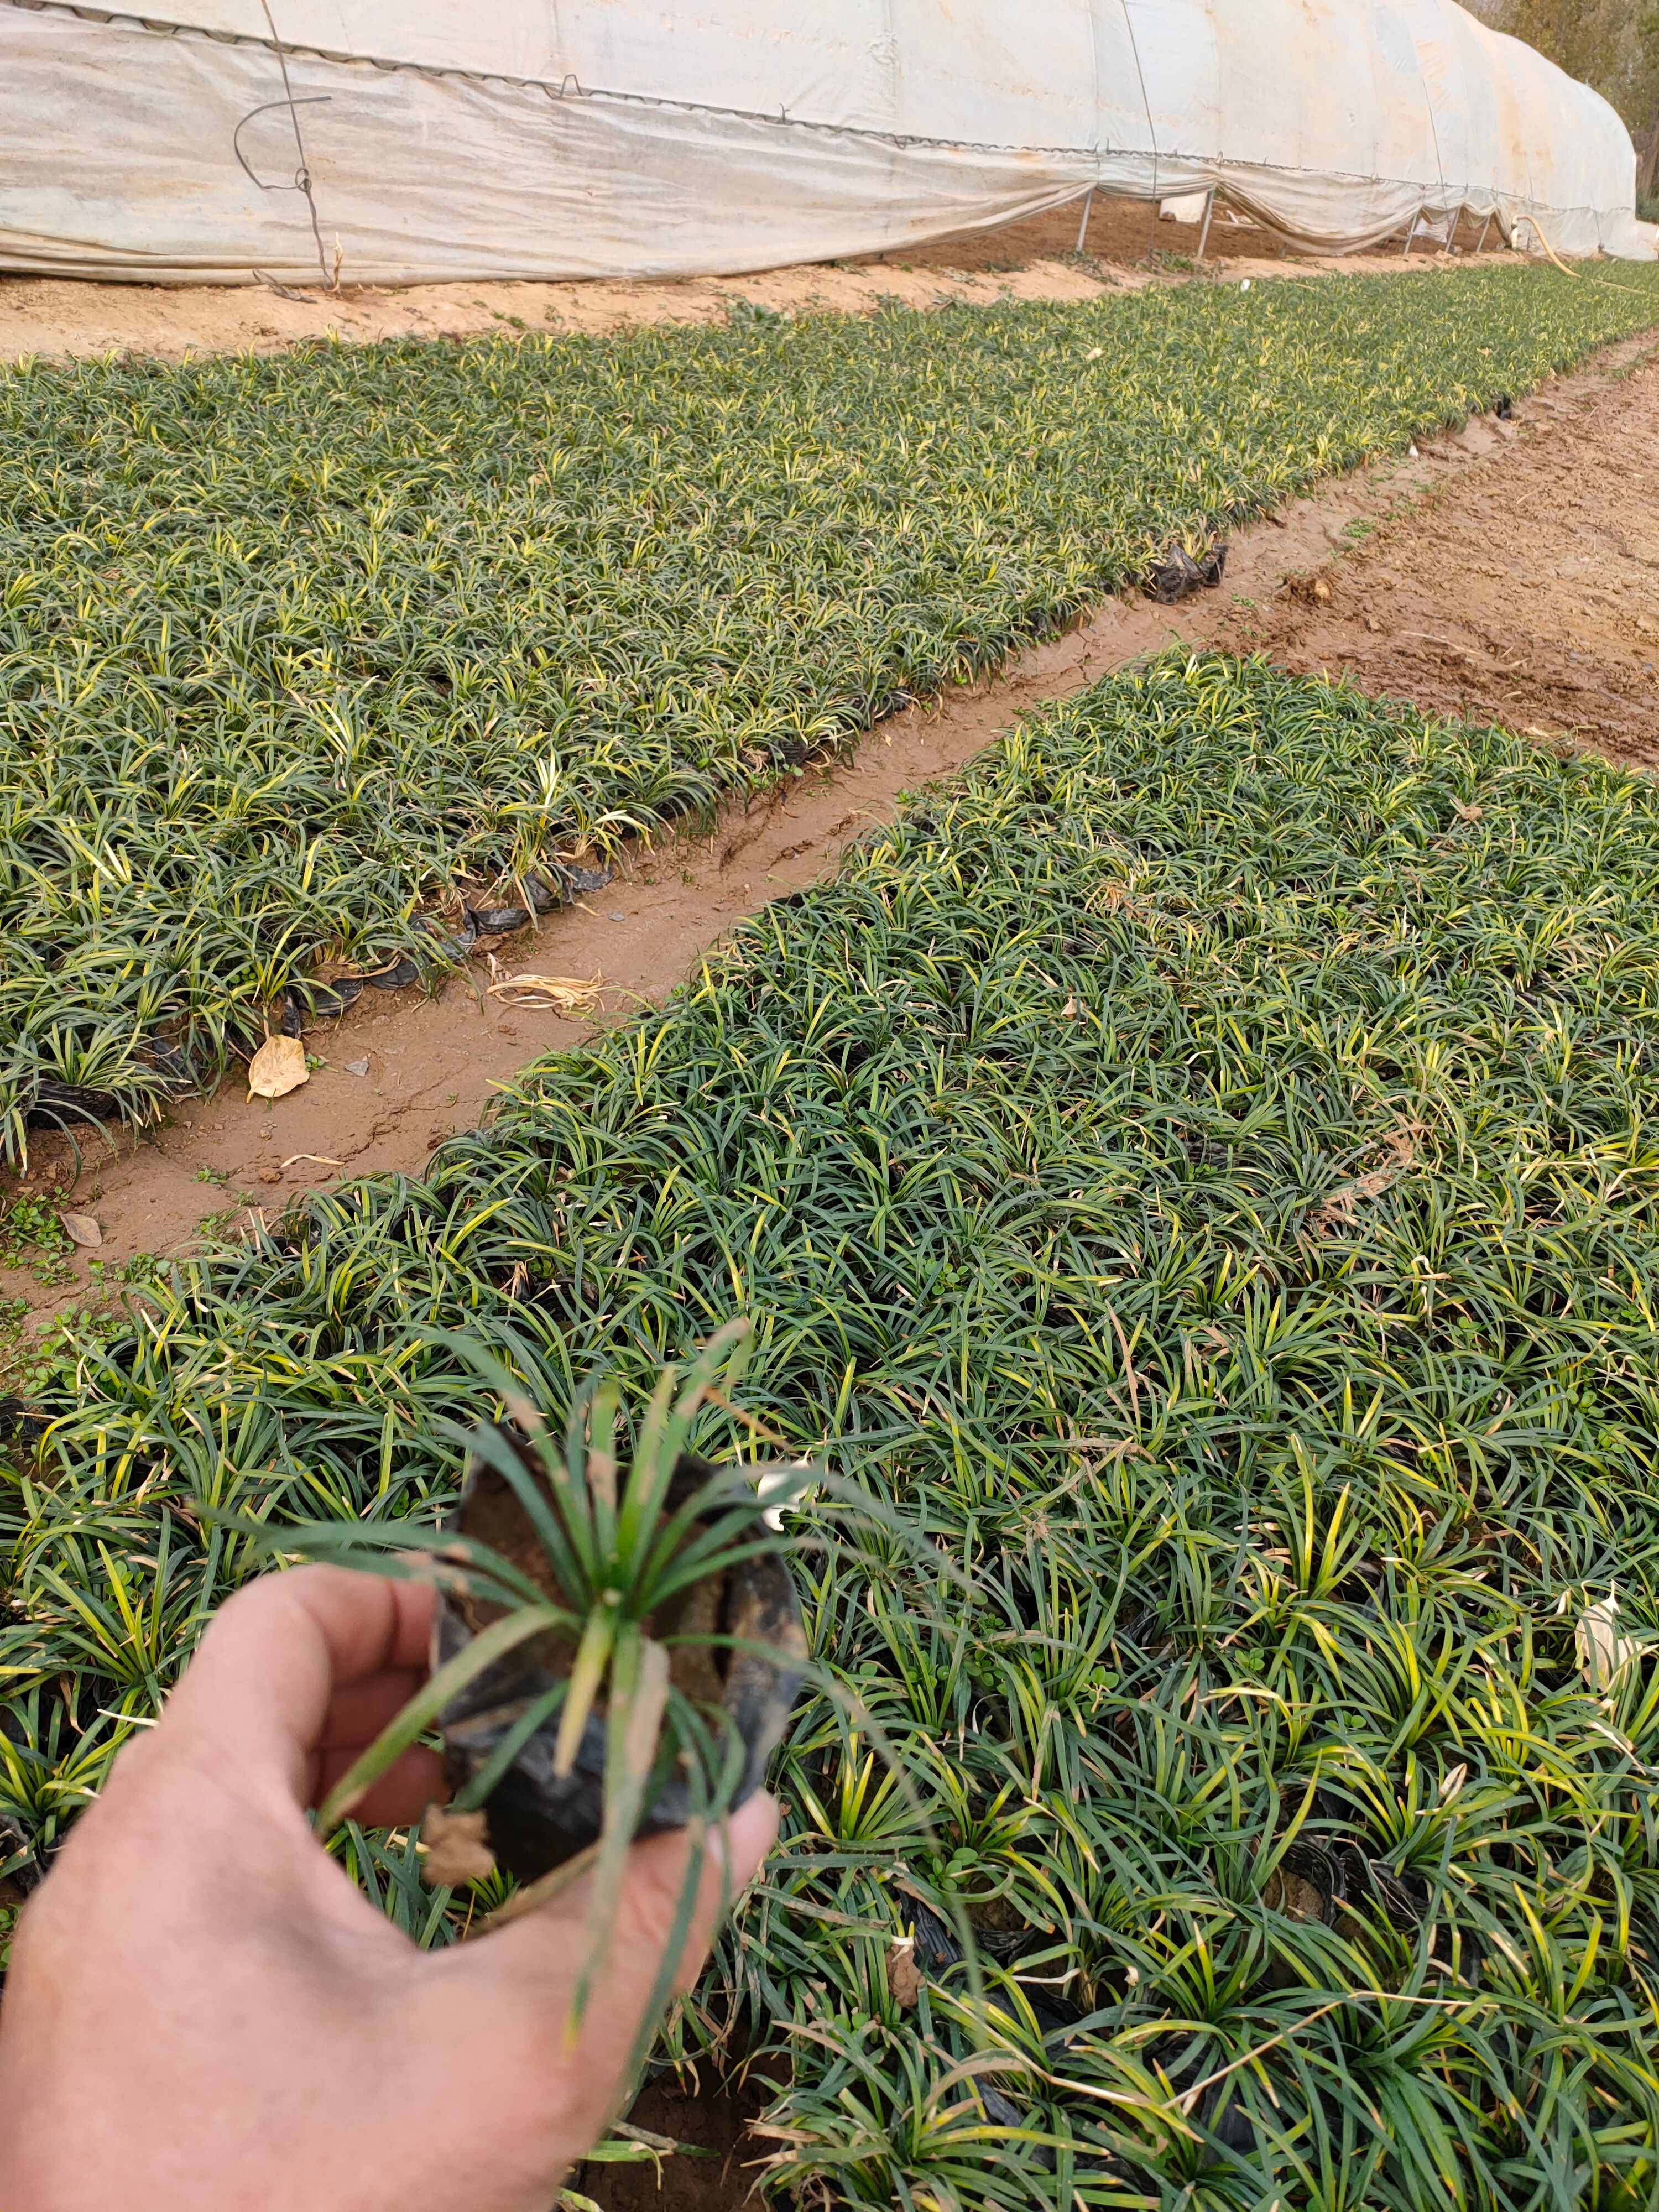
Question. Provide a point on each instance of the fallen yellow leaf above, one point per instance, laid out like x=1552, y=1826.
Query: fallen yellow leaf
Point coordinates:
x=276, y=1068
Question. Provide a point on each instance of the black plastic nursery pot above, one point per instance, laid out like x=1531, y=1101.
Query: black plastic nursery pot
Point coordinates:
x=537, y=1819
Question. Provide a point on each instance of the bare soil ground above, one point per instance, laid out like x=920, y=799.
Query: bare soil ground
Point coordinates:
x=1129, y=246
x=1523, y=588
x=717, y=2122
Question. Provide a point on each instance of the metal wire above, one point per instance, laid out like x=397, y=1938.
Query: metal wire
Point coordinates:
x=302, y=174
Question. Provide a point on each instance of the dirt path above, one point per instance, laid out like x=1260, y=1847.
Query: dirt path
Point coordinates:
x=1128, y=247
x=1523, y=590
x=1490, y=561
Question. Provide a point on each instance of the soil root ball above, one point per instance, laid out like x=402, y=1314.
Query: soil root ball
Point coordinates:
x=1177, y=572
x=538, y=1818
x=56, y=1103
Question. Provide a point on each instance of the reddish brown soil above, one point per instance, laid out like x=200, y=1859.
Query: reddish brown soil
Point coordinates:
x=1124, y=233
x=1522, y=589
x=716, y=2121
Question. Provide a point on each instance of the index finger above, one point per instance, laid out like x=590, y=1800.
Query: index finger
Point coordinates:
x=259, y=1687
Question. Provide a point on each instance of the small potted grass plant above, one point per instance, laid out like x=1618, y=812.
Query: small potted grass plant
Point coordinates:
x=615, y=1650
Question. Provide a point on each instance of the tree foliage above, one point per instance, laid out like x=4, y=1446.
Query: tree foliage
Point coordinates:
x=1609, y=44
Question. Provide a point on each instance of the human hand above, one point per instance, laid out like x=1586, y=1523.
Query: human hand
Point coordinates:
x=203, y=2012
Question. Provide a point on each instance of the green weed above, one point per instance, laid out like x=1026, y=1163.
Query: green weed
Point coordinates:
x=32, y=1235
x=30, y=1226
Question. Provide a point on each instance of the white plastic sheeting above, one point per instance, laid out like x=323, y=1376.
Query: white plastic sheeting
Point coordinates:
x=560, y=138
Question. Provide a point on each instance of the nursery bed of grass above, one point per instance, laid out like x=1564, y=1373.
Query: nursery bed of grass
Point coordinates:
x=293, y=650
x=1199, y=1170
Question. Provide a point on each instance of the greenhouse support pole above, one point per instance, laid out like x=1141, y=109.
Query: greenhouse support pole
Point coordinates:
x=1204, y=235
x=1088, y=206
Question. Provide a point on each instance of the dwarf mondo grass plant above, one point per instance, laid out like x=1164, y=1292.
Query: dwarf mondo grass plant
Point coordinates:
x=1195, y=1176
x=299, y=653
x=623, y=1661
